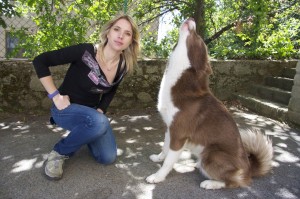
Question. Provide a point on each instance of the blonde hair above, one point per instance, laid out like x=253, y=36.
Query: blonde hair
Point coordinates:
x=131, y=53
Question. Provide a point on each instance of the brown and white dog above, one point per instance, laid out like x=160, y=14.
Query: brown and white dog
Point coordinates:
x=197, y=120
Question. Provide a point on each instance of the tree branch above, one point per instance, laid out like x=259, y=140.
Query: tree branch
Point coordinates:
x=178, y=2
x=219, y=33
x=271, y=14
x=156, y=16
x=229, y=26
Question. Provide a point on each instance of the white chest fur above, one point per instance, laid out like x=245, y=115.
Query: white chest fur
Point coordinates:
x=178, y=62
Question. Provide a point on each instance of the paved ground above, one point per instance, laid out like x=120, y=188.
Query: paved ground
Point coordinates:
x=25, y=141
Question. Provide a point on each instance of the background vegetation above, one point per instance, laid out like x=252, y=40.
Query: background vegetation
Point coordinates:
x=242, y=29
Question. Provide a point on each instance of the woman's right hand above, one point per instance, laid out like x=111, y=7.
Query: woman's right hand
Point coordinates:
x=61, y=101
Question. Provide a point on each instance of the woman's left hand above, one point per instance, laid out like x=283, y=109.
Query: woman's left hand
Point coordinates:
x=99, y=110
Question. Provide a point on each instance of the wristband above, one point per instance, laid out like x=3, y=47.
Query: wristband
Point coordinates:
x=53, y=94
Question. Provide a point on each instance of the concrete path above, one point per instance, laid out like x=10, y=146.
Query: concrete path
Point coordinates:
x=26, y=140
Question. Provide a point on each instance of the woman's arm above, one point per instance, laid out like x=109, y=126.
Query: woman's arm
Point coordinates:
x=53, y=58
x=60, y=101
x=107, y=98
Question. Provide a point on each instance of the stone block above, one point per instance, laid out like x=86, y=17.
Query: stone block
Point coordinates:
x=144, y=97
x=297, y=79
x=243, y=70
x=298, y=67
x=46, y=103
x=294, y=104
x=221, y=67
x=294, y=117
x=296, y=91
x=35, y=84
x=151, y=69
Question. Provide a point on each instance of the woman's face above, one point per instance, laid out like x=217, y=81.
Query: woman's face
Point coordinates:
x=120, y=35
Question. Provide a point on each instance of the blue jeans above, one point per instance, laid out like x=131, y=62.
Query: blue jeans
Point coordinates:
x=86, y=126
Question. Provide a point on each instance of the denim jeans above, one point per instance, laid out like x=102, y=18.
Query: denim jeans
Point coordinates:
x=86, y=126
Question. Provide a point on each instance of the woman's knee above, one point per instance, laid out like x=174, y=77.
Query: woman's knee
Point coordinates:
x=107, y=159
x=97, y=120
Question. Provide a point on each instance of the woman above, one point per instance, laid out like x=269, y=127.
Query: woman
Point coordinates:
x=80, y=103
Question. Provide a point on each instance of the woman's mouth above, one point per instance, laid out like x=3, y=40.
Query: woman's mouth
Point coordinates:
x=119, y=43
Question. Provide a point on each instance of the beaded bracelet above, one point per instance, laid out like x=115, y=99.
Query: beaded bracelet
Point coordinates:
x=53, y=94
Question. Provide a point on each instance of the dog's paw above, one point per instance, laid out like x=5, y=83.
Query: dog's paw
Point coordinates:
x=157, y=158
x=154, y=178
x=212, y=184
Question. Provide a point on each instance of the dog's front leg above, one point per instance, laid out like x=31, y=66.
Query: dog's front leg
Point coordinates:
x=161, y=174
x=160, y=157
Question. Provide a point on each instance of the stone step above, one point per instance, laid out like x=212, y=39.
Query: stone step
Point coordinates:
x=283, y=83
x=289, y=72
x=270, y=93
x=264, y=107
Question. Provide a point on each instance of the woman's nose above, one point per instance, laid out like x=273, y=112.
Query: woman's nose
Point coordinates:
x=121, y=35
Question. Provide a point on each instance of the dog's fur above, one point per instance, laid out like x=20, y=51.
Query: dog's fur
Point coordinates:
x=196, y=119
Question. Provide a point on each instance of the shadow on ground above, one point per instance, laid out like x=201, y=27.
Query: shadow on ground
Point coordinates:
x=26, y=140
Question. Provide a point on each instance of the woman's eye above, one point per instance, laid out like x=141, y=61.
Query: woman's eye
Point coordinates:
x=116, y=29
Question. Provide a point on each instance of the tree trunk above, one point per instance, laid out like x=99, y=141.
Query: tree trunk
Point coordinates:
x=199, y=17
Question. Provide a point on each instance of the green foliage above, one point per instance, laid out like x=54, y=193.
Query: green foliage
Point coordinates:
x=6, y=10
x=266, y=29
x=151, y=48
x=62, y=23
x=243, y=29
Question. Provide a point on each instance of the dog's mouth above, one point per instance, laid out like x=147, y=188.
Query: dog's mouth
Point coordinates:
x=190, y=19
x=189, y=24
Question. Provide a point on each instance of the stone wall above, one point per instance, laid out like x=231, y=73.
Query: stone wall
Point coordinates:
x=21, y=90
x=236, y=75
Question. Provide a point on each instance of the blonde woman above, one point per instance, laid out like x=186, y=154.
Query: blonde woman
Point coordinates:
x=80, y=103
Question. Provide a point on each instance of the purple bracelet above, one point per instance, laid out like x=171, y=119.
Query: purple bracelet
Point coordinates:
x=53, y=94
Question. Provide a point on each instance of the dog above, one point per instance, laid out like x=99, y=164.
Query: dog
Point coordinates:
x=197, y=120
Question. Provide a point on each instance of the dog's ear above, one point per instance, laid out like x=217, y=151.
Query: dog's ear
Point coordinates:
x=197, y=53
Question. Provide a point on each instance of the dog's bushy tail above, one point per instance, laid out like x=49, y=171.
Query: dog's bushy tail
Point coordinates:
x=259, y=149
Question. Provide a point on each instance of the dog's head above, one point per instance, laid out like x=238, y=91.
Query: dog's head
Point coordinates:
x=196, y=48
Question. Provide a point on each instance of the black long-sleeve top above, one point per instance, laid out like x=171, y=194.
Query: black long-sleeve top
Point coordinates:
x=80, y=82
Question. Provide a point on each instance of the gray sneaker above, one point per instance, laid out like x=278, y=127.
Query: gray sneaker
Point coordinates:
x=54, y=165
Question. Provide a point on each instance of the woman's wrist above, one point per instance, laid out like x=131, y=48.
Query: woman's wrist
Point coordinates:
x=52, y=95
